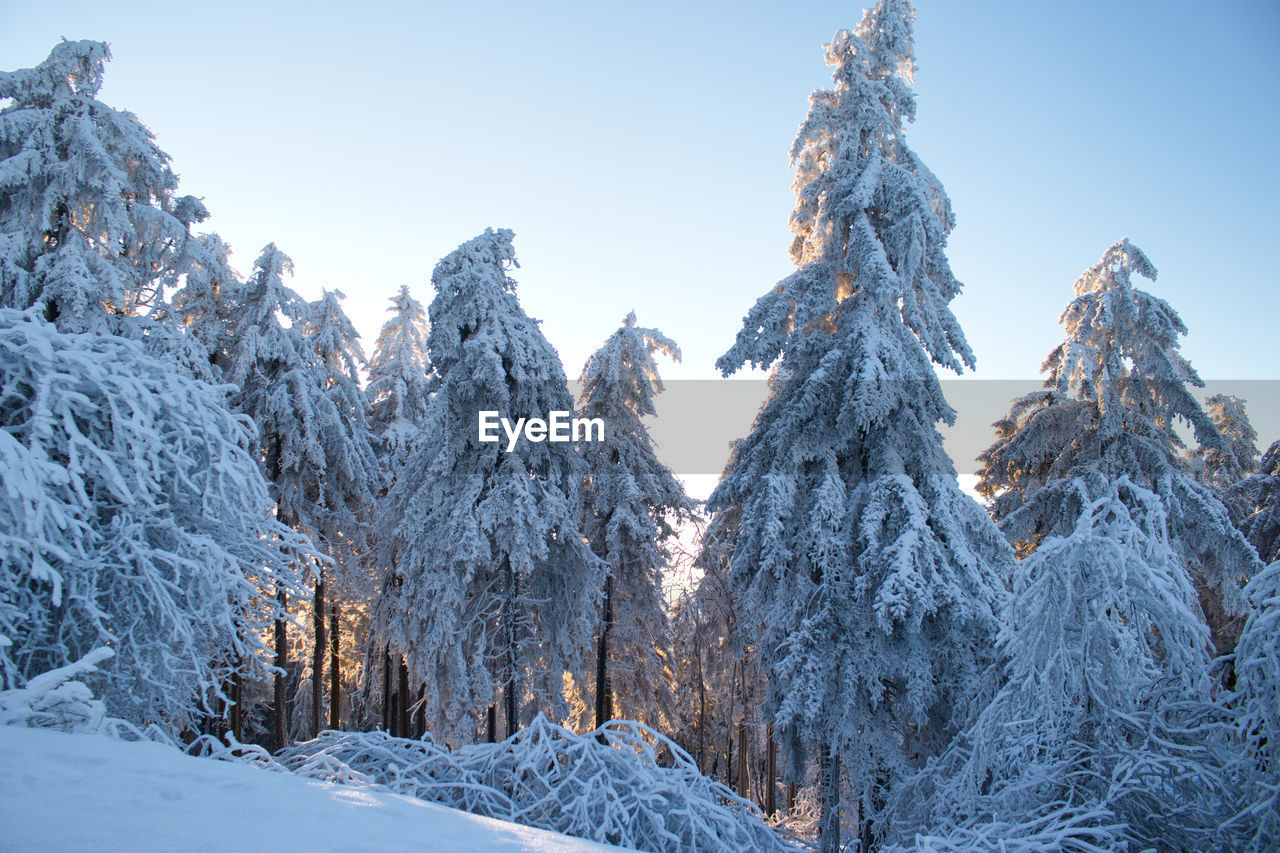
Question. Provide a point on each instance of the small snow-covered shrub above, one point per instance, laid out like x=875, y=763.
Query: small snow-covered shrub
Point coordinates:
x=621, y=784
x=55, y=700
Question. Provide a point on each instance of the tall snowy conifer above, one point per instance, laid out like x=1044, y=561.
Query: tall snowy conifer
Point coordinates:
x=874, y=577
x=1218, y=468
x=297, y=383
x=344, y=489
x=399, y=380
x=495, y=584
x=1255, y=505
x=633, y=505
x=1113, y=391
x=91, y=228
x=204, y=305
x=1105, y=718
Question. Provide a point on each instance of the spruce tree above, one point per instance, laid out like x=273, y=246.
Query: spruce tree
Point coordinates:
x=495, y=586
x=1255, y=505
x=296, y=381
x=1105, y=719
x=874, y=577
x=1113, y=392
x=633, y=505
x=91, y=227
x=1220, y=468
x=399, y=380
x=344, y=490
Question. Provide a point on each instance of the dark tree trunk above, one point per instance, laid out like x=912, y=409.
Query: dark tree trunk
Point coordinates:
x=829, y=816
x=282, y=662
x=512, y=686
x=386, y=690
x=335, y=672
x=237, y=716
x=493, y=724
x=743, y=789
x=791, y=797
x=404, y=699
x=510, y=699
x=702, y=704
x=317, y=659
x=420, y=713
x=770, y=774
x=604, y=690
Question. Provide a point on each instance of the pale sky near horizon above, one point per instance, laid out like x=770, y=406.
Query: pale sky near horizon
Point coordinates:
x=639, y=151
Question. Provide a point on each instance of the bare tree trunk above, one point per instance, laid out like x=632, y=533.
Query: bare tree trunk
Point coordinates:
x=404, y=699
x=791, y=797
x=386, y=689
x=282, y=662
x=743, y=789
x=829, y=816
x=420, y=713
x=237, y=714
x=604, y=691
x=511, y=688
x=335, y=672
x=702, y=702
x=493, y=724
x=770, y=774
x=317, y=659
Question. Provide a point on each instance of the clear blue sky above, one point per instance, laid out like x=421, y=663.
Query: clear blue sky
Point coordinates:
x=640, y=150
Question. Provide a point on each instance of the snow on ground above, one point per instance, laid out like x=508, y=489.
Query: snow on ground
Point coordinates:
x=70, y=792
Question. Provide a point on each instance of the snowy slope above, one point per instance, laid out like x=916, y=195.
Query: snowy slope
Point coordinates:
x=88, y=792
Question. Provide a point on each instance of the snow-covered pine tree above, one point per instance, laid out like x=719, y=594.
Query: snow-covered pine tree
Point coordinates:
x=1103, y=727
x=133, y=516
x=1113, y=391
x=633, y=507
x=874, y=577
x=1257, y=666
x=203, y=305
x=296, y=382
x=345, y=489
x=399, y=388
x=495, y=585
x=91, y=228
x=1218, y=468
x=1255, y=505
x=399, y=380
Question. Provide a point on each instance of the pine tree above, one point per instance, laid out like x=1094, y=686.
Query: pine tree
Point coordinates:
x=399, y=380
x=495, y=585
x=1220, y=468
x=204, y=306
x=634, y=505
x=297, y=383
x=1113, y=391
x=874, y=577
x=1105, y=718
x=91, y=229
x=1104, y=722
x=344, y=489
x=1255, y=505
x=1257, y=664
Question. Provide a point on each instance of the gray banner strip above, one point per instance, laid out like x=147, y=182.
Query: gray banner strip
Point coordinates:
x=698, y=418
